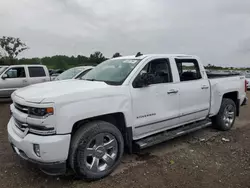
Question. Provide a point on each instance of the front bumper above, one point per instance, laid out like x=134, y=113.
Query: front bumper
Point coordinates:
x=53, y=149
x=56, y=168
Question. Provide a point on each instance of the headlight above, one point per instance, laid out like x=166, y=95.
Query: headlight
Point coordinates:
x=41, y=111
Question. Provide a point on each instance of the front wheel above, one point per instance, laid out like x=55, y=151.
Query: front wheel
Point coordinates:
x=96, y=150
x=224, y=120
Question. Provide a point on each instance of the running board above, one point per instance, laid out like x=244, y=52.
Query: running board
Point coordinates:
x=170, y=134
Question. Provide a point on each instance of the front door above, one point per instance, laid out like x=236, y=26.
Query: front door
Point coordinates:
x=156, y=106
x=16, y=78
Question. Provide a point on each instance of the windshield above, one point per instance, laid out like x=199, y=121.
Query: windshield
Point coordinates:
x=2, y=69
x=113, y=71
x=69, y=74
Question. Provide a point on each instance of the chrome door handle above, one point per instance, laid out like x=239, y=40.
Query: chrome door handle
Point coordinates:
x=204, y=87
x=24, y=81
x=172, y=91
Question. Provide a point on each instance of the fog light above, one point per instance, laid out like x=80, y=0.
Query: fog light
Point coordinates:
x=36, y=148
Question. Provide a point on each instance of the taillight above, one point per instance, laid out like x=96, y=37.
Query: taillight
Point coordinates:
x=246, y=82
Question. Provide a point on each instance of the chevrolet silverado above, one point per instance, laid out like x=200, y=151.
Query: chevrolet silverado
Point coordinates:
x=124, y=104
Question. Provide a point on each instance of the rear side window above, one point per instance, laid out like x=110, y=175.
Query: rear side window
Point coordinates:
x=36, y=72
x=188, y=69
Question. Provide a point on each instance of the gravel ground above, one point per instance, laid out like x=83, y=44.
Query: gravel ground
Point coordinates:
x=206, y=158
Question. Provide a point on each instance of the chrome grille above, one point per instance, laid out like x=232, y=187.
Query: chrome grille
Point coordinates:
x=40, y=130
x=20, y=125
x=21, y=108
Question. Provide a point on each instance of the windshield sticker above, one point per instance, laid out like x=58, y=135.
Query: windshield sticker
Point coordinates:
x=131, y=61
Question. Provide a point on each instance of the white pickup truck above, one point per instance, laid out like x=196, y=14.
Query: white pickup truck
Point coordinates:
x=124, y=103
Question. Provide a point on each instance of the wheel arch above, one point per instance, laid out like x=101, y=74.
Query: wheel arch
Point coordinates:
x=118, y=119
x=233, y=96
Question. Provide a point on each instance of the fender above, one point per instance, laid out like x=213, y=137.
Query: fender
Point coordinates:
x=71, y=113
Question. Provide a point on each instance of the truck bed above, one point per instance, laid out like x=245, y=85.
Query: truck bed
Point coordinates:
x=225, y=84
x=221, y=75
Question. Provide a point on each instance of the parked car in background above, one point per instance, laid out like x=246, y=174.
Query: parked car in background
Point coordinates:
x=17, y=76
x=127, y=102
x=54, y=73
x=74, y=73
x=248, y=80
x=53, y=76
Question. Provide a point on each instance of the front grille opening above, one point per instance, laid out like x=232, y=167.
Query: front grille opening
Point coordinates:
x=21, y=126
x=21, y=108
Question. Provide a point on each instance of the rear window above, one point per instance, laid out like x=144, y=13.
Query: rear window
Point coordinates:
x=36, y=72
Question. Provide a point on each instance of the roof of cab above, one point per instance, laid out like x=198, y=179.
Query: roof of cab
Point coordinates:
x=153, y=55
x=25, y=65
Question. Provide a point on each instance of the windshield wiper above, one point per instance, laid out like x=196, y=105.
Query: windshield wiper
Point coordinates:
x=89, y=79
x=107, y=82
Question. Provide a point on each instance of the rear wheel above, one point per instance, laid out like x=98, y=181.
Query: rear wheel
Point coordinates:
x=224, y=120
x=96, y=150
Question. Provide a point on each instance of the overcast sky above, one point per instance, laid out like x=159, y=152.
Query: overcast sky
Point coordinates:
x=216, y=30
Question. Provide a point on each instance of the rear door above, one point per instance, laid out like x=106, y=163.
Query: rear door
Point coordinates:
x=16, y=78
x=194, y=91
x=155, y=107
x=37, y=74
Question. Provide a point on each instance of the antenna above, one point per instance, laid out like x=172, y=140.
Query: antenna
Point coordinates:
x=138, y=54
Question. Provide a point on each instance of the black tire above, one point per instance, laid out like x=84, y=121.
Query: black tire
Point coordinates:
x=80, y=142
x=218, y=121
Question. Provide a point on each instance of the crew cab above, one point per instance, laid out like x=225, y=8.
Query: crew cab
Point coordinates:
x=126, y=103
x=17, y=76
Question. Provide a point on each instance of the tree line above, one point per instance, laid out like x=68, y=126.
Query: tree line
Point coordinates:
x=11, y=47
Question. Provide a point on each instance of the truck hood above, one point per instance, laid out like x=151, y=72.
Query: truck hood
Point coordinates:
x=37, y=93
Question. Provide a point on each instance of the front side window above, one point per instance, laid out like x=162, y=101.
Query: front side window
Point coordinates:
x=188, y=69
x=36, y=72
x=17, y=72
x=113, y=71
x=159, y=71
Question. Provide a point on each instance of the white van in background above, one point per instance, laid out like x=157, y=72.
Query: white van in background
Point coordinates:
x=18, y=76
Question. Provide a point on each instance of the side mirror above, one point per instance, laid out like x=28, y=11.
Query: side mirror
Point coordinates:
x=4, y=76
x=143, y=80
